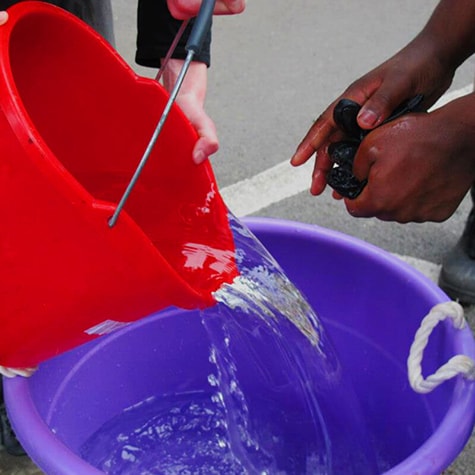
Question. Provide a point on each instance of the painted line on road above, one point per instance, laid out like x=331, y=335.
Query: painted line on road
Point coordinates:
x=451, y=95
x=268, y=187
x=283, y=181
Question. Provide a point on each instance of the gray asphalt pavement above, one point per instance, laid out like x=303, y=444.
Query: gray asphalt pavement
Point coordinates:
x=278, y=66
x=274, y=69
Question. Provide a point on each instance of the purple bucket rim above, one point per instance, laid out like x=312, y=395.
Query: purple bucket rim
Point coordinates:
x=456, y=420
x=20, y=404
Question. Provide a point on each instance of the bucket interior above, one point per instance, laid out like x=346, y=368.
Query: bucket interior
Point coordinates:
x=167, y=356
x=371, y=305
x=82, y=102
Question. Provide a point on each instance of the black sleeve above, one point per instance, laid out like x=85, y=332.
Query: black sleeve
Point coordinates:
x=156, y=30
x=4, y=4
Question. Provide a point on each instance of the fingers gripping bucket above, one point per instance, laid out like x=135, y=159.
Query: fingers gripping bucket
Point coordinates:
x=74, y=122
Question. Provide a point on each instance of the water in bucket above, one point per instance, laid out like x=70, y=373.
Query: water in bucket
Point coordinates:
x=274, y=379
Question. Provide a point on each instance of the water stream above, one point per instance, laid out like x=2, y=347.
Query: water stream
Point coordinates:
x=276, y=402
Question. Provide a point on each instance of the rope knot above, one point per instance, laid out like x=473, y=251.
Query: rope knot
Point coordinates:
x=457, y=365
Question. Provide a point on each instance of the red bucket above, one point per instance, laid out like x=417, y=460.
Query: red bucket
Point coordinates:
x=74, y=123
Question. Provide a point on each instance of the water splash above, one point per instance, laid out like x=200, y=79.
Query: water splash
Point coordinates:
x=276, y=400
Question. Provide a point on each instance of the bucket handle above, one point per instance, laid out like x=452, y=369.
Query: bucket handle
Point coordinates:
x=457, y=365
x=193, y=46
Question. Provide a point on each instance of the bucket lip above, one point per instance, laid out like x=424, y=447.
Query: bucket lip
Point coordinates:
x=361, y=247
x=455, y=421
x=58, y=454
x=464, y=341
x=428, y=454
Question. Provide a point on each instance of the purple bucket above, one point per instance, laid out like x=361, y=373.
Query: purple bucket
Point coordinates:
x=371, y=305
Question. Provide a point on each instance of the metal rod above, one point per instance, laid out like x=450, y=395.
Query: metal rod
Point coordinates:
x=189, y=57
x=171, y=49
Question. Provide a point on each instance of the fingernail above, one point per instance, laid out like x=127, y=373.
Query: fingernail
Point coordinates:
x=199, y=157
x=367, y=118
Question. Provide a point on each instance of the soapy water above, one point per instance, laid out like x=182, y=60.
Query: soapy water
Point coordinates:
x=277, y=400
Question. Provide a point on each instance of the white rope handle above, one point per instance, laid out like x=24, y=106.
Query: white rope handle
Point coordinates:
x=457, y=365
x=12, y=372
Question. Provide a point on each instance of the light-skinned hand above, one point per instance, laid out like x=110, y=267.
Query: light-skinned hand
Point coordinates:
x=3, y=17
x=191, y=99
x=183, y=9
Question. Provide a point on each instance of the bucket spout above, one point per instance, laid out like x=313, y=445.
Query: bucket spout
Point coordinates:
x=74, y=122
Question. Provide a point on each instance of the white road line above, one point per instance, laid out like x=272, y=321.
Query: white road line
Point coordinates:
x=270, y=186
x=451, y=95
x=284, y=181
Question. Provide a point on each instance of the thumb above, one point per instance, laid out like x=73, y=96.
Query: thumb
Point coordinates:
x=3, y=18
x=380, y=105
x=208, y=142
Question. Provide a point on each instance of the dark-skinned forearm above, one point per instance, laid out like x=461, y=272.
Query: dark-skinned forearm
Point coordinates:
x=451, y=28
